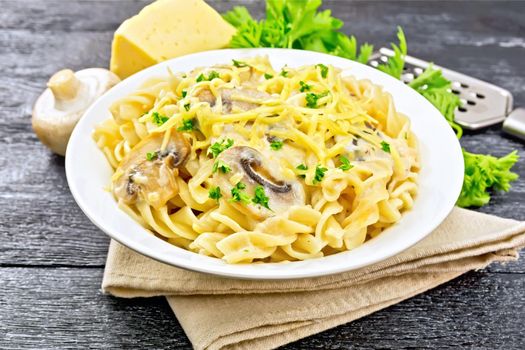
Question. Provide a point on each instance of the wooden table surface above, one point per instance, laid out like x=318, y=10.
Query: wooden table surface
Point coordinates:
x=52, y=257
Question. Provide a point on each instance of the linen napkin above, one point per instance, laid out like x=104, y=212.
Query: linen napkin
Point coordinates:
x=221, y=313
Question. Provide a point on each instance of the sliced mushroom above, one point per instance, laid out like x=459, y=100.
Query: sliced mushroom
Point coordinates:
x=234, y=100
x=151, y=180
x=69, y=94
x=251, y=168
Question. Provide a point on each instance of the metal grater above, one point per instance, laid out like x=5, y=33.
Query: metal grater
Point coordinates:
x=484, y=104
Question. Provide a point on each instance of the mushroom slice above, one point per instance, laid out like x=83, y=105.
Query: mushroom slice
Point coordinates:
x=234, y=100
x=251, y=168
x=151, y=180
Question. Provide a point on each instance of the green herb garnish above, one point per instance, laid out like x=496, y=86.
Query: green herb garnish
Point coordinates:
x=319, y=174
x=284, y=73
x=238, y=195
x=260, y=197
x=323, y=68
x=152, y=155
x=219, y=147
x=212, y=75
x=219, y=165
x=276, y=145
x=312, y=98
x=395, y=64
x=187, y=106
x=345, y=163
x=295, y=24
x=304, y=87
x=239, y=64
x=184, y=93
x=385, y=146
x=158, y=119
x=215, y=193
x=268, y=76
x=302, y=167
x=187, y=125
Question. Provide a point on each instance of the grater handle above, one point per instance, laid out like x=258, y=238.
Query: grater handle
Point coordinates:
x=515, y=123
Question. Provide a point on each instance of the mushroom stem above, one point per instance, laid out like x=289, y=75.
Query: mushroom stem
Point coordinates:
x=64, y=84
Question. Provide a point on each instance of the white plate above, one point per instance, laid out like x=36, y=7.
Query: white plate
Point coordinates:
x=441, y=177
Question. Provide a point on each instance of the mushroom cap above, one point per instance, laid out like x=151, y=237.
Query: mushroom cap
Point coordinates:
x=153, y=181
x=62, y=104
x=253, y=169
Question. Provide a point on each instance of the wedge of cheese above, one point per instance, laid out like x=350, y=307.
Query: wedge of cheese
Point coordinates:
x=167, y=29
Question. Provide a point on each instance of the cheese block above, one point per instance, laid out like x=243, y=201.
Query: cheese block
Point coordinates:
x=167, y=29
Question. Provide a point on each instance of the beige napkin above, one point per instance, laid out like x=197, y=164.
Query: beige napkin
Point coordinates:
x=220, y=313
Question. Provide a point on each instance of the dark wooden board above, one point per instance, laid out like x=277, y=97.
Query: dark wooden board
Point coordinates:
x=51, y=256
x=64, y=308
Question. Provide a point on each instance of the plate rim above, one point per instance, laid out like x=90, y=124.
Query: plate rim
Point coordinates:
x=232, y=270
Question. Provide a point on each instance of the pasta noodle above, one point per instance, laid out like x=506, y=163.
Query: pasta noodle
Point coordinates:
x=248, y=164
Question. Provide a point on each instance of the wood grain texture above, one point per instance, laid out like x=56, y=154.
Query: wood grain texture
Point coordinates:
x=51, y=256
x=64, y=308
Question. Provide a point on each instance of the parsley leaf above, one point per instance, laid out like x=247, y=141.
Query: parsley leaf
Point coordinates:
x=395, y=64
x=184, y=93
x=238, y=195
x=219, y=147
x=268, y=76
x=345, y=163
x=212, y=75
x=304, y=87
x=152, y=155
x=158, y=119
x=239, y=64
x=323, y=68
x=276, y=145
x=215, y=193
x=284, y=73
x=311, y=99
x=187, y=125
x=436, y=89
x=385, y=146
x=319, y=174
x=484, y=172
x=260, y=197
x=220, y=165
x=303, y=168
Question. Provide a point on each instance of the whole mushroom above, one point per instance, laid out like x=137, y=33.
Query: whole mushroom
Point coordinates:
x=69, y=94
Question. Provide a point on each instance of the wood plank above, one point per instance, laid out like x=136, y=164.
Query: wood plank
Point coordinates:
x=64, y=308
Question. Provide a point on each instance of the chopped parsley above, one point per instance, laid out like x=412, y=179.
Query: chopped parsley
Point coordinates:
x=323, y=68
x=187, y=106
x=268, y=76
x=304, y=87
x=215, y=193
x=219, y=147
x=158, y=119
x=152, y=155
x=184, y=93
x=238, y=195
x=276, y=145
x=212, y=75
x=319, y=174
x=187, y=125
x=385, y=146
x=260, y=197
x=239, y=64
x=221, y=166
x=345, y=163
x=284, y=73
x=311, y=99
x=302, y=167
